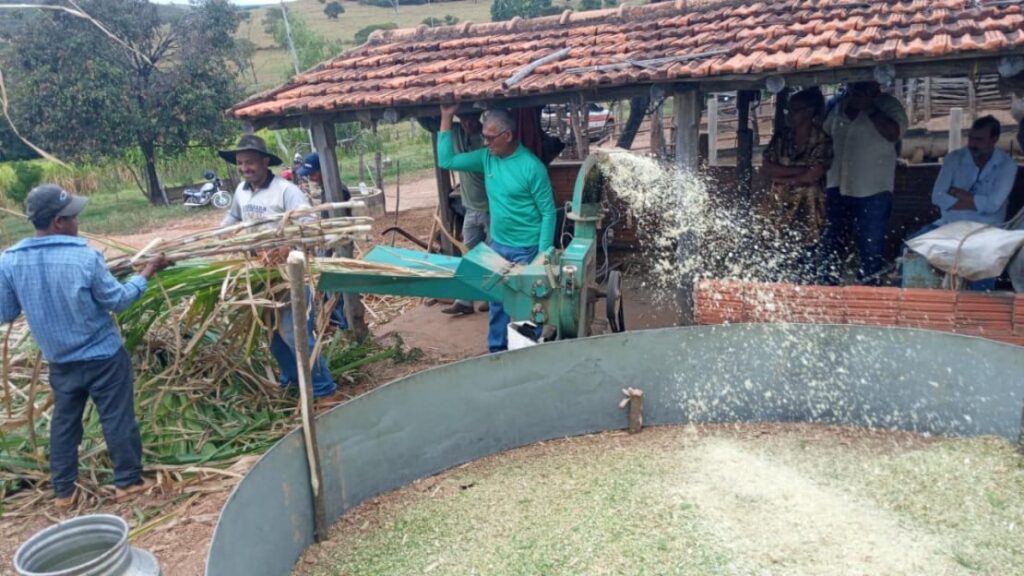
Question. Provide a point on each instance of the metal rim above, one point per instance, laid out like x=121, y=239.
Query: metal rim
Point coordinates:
x=221, y=200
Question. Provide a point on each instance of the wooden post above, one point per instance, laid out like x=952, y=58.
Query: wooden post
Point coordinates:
x=911, y=100
x=444, y=189
x=927, y=99
x=635, y=401
x=378, y=161
x=781, y=101
x=956, y=122
x=744, y=144
x=713, y=130
x=657, y=141
x=687, y=112
x=972, y=99
x=687, y=106
x=325, y=141
x=300, y=313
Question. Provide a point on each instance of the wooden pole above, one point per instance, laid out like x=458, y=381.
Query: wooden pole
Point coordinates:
x=658, y=132
x=956, y=122
x=687, y=106
x=296, y=280
x=687, y=112
x=713, y=130
x=378, y=161
x=325, y=142
x=911, y=100
x=927, y=99
x=444, y=189
x=744, y=145
x=972, y=99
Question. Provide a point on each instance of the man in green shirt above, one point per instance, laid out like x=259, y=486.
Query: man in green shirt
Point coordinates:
x=519, y=194
x=467, y=137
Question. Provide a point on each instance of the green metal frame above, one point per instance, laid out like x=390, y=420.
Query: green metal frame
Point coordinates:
x=557, y=288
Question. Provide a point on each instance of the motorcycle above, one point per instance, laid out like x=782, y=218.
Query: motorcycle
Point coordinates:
x=209, y=193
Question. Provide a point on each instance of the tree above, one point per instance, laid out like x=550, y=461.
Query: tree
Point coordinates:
x=86, y=96
x=310, y=47
x=590, y=5
x=448, y=20
x=334, y=9
x=509, y=9
x=611, y=3
x=363, y=35
x=272, y=18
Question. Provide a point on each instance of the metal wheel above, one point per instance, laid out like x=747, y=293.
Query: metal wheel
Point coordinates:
x=221, y=199
x=613, y=302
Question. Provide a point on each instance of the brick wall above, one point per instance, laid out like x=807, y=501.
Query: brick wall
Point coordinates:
x=997, y=315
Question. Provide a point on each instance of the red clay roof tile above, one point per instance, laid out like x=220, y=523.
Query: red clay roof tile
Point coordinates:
x=469, y=61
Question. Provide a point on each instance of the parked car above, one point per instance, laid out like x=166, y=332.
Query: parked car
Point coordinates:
x=600, y=120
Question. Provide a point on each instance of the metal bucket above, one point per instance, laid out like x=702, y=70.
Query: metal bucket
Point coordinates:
x=95, y=545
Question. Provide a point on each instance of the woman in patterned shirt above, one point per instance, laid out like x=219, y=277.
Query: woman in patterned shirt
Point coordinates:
x=796, y=160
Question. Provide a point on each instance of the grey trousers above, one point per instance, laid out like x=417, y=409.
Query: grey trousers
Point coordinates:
x=475, y=227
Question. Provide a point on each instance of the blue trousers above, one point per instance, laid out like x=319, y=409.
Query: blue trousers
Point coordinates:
x=497, y=322
x=867, y=219
x=282, y=347
x=986, y=285
x=109, y=383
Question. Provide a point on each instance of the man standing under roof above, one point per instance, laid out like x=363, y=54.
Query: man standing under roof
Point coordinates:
x=262, y=194
x=865, y=128
x=310, y=170
x=466, y=137
x=67, y=294
x=520, y=198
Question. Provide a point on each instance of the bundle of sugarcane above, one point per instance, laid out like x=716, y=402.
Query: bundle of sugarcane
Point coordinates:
x=296, y=229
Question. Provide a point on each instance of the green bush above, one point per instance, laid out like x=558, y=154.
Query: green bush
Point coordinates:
x=8, y=179
x=28, y=174
x=364, y=33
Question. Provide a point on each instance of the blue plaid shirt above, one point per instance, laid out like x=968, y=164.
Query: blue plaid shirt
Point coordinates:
x=67, y=294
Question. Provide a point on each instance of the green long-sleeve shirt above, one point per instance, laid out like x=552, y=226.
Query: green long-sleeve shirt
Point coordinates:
x=518, y=190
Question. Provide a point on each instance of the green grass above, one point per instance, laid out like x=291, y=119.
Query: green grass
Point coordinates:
x=273, y=66
x=108, y=214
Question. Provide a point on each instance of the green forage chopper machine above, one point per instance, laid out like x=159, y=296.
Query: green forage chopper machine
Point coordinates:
x=559, y=289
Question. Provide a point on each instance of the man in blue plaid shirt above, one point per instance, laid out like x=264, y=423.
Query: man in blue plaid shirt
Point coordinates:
x=67, y=294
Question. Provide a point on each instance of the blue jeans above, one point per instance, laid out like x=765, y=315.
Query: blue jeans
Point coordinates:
x=283, y=350
x=109, y=383
x=867, y=219
x=986, y=285
x=498, y=320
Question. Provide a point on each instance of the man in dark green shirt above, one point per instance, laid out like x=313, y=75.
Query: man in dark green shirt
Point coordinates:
x=519, y=195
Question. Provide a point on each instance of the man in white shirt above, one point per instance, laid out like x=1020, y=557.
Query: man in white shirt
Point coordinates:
x=865, y=127
x=262, y=194
x=975, y=184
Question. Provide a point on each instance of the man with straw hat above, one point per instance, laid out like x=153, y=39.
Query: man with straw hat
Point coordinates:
x=260, y=195
x=67, y=294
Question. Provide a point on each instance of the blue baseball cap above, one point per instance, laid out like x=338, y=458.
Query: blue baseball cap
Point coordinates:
x=310, y=164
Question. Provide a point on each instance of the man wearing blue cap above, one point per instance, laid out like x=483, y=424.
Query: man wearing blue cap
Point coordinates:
x=310, y=169
x=67, y=294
